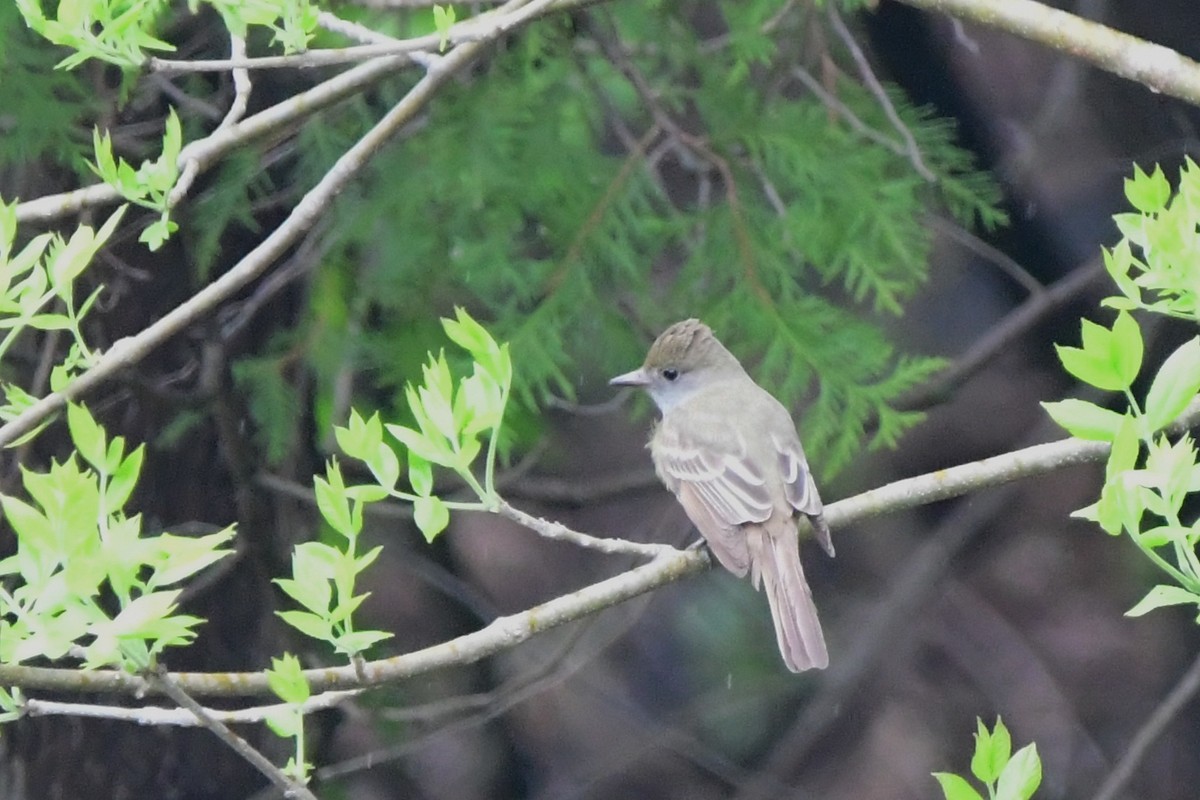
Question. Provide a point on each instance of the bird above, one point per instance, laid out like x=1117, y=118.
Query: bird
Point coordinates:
x=729, y=452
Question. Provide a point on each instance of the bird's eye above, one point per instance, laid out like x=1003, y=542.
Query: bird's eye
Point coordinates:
x=670, y=373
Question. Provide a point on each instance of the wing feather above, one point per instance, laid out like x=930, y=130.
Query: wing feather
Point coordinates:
x=718, y=487
x=800, y=488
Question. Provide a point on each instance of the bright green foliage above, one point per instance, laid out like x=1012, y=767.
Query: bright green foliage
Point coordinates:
x=150, y=184
x=116, y=31
x=37, y=292
x=453, y=416
x=286, y=679
x=125, y=32
x=323, y=576
x=1148, y=476
x=1004, y=774
x=785, y=230
x=75, y=546
x=1154, y=264
x=443, y=19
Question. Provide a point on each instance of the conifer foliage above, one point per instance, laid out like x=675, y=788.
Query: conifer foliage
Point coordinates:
x=607, y=165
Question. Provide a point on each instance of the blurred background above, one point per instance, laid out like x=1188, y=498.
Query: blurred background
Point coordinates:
x=889, y=216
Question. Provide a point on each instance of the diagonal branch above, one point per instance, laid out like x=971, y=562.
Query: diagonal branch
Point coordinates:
x=670, y=565
x=307, y=212
x=1159, y=68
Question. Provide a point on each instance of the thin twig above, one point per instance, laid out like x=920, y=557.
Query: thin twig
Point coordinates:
x=352, y=30
x=180, y=717
x=278, y=777
x=1172, y=705
x=241, y=84
x=561, y=533
x=876, y=88
x=485, y=27
x=993, y=255
x=841, y=109
x=1000, y=337
x=209, y=150
x=668, y=566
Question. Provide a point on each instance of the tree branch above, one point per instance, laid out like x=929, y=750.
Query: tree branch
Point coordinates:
x=132, y=349
x=668, y=566
x=1157, y=67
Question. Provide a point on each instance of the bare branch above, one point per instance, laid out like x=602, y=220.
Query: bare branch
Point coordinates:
x=668, y=566
x=241, y=84
x=130, y=350
x=1157, y=67
x=1172, y=705
x=876, y=88
x=289, y=786
x=1012, y=327
x=180, y=717
x=561, y=533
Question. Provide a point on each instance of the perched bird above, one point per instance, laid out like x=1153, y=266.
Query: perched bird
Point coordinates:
x=729, y=452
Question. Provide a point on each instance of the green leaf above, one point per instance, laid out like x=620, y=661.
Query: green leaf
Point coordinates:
x=333, y=503
x=1088, y=368
x=468, y=334
x=105, y=165
x=1085, y=420
x=309, y=624
x=136, y=618
x=314, y=565
x=1109, y=359
x=87, y=436
x=420, y=444
x=286, y=723
x=352, y=644
x=443, y=19
x=431, y=516
x=1175, y=385
x=1148, y=193
x=1022, y=775
x=1128, y=347
x=384, y=465
x=286, y=679
x=124, y=479
x=1163, y=595
x=156, y=234
x=1163, y=534
x=955, y=787
x=992, y=751
x=172, y=141
x=38, y=553
x=420, y=474
x=360, y=436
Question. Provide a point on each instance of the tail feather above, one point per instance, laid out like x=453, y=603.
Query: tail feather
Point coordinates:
x=775, y=557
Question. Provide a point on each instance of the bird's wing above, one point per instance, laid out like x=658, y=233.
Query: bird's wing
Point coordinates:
x=800, y=488
x=719, y=488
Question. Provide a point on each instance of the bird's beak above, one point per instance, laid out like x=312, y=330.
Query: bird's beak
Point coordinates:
x=638, y=377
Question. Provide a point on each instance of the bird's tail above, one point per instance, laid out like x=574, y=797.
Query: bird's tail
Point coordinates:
x=775, y=557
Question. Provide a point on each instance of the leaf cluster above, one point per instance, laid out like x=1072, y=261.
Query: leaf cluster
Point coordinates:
x=77, y=552
x=150, y=184
x=453, y=418
x=1004, y=774
x=125, y=32
x=37, y=292
x=1149, y=475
